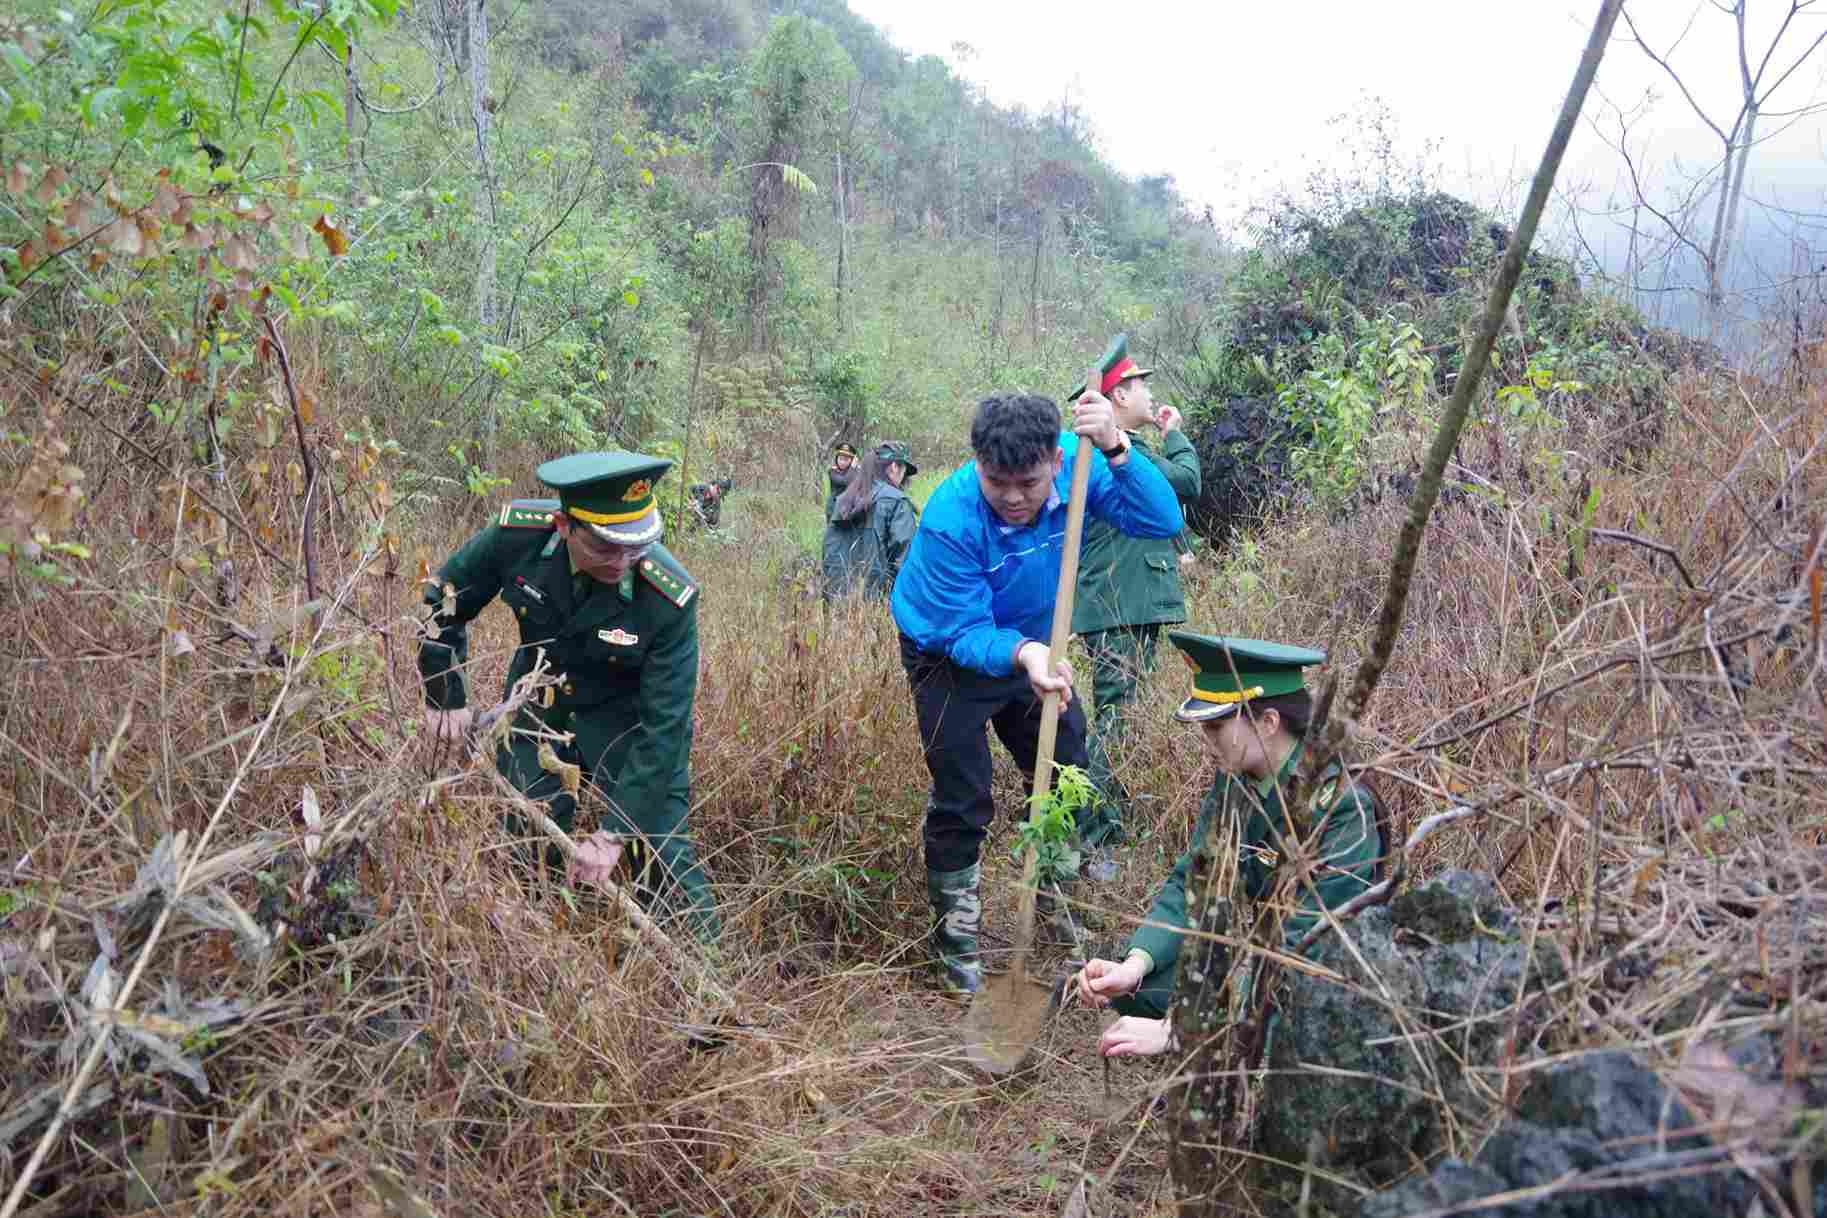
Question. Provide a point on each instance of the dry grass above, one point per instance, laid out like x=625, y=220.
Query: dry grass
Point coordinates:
x=507, y=1054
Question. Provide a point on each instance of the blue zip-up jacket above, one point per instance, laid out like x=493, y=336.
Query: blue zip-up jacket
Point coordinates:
x=973, y=587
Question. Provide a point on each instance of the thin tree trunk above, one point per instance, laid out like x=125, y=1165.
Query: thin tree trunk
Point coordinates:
x=996, y=305
x=1040, y=235
x=691, y=400
x=1331, y=730
x=1201, y=1116
x=843, y=238
x=1734, y=191
x=351, y=143
x=480, y=105
x=764, y=202
x=1720, y=248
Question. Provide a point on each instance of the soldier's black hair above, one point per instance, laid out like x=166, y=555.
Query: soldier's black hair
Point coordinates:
x=1015, y=432
x=1296, y=710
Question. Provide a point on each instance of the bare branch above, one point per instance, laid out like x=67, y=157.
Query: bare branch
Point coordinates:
x=1662, y=63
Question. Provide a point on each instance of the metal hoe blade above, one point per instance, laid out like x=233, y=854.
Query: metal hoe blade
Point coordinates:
x=1005, y=1021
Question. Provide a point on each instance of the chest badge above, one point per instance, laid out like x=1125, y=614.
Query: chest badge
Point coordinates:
x=618, y=637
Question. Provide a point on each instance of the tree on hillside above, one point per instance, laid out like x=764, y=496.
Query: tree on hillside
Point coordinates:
x=798, y=86
x=922, y=120
x=1765, y=66
x=481, y=110
x=1053, y=192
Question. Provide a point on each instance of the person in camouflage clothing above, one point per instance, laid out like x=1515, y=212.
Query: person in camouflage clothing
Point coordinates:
x=617, y=617
x=1256, y=752
x=1128, y=587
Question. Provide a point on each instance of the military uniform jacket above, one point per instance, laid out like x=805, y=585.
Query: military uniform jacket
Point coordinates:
x=1135, y=581
x=1352, y=843
x=628, y=654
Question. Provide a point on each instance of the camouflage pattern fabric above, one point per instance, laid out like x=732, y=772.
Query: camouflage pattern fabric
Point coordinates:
x=957, y=915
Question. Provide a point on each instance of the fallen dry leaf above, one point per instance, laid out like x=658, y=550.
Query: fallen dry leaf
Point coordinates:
x=238, y=254
x=124, y=237
x=334, y=239
x=54, y=177
x=1716, y=1087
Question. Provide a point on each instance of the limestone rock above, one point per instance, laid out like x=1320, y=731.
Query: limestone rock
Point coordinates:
x=1604, y=1119
x=1448, y=955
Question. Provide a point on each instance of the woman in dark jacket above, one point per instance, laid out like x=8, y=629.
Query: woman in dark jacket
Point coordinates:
x=892, y=518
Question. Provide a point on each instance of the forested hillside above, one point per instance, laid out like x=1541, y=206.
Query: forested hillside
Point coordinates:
x=294, y=297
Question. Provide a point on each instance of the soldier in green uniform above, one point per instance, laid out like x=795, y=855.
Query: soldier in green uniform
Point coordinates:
x=1128, y=587
x=1256, y=752
x=617, y=616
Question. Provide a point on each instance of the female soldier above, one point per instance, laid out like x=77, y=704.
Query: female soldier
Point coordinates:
x=841, y=540
x=1256, y=752
x=892, y=518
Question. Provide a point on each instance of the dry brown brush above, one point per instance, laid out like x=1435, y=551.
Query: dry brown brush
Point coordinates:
x=353, y=998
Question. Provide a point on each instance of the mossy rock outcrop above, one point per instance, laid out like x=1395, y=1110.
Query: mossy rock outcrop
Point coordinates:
x=1449, y=956
x=1244, y=461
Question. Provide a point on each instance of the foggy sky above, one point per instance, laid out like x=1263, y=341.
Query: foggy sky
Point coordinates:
x=1231, y=98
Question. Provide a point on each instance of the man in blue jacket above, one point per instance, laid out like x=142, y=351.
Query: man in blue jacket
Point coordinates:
x=974, y=604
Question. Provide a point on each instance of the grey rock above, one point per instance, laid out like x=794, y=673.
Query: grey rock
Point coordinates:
x=1451, y=907
x=1245, y=462
x=1608, y=1095
x=1605, y=1123
x=1454, y=1182
x=1377, y=1116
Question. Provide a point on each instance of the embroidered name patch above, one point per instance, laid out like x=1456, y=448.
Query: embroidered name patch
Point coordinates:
x=618, y=637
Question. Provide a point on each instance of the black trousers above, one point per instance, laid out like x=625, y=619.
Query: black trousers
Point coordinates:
x=954, y=705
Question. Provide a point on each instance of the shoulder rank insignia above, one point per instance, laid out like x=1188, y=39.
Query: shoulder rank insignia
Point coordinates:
x=675, y=589
x=529, y=514
x=618, y=637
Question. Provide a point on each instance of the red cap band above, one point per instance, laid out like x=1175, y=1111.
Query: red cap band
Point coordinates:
x=1122, y=371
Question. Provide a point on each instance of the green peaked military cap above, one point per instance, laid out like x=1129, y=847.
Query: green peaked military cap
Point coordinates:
x=1228, y=672
x=612, y=493
x=896, y=450
x=1116, y=353
x=845, y=449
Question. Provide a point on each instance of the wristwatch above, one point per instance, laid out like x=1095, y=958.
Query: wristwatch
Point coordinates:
x=1116, y=450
